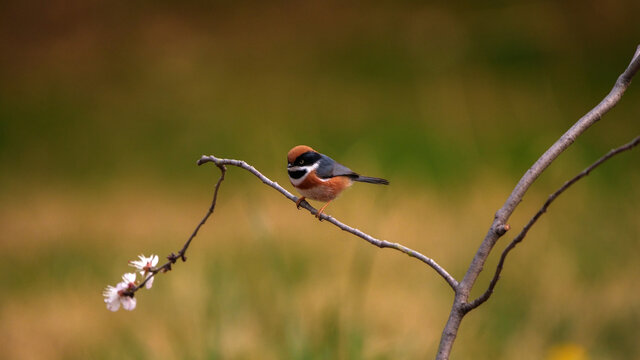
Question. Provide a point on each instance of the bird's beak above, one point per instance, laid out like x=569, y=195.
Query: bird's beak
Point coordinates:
x=289, y=165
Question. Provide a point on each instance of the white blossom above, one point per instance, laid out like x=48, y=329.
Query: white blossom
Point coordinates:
x=114, y=295
x=111, y=297
x=144, y=265
x=129, y=279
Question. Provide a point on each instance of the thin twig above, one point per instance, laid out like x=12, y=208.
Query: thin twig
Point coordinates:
x=181, y=254
x=372, y=240
x=484, y=297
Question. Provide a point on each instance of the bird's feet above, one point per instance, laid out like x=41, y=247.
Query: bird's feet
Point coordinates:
x=321, y=211
x=318, y=214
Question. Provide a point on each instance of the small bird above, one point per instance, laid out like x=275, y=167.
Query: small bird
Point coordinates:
x=318, y=177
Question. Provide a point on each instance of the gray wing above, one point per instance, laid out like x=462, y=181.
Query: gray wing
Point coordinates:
x=329, y=168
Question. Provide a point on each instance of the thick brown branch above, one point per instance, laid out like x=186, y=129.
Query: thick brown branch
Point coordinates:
x=372, y=240
x=484, y=297
x=496, y=230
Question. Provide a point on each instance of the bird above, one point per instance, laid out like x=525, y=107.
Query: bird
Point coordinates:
x=318, y=177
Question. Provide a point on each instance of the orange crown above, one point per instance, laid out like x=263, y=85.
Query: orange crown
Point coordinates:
x=297, y=151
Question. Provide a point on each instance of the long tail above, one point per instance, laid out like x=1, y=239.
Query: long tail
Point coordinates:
x=371, y=180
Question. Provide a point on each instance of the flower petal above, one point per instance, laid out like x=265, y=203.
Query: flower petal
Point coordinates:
x=113, y=306
x=149, y=283
x=129, y=278
x=128, y=303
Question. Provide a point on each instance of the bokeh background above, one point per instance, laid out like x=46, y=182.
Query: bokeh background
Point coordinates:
x=106, y=106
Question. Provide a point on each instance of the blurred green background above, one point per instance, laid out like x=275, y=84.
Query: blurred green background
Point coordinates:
x=105, y=107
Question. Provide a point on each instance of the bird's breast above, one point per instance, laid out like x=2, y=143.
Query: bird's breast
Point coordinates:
x=315, y=188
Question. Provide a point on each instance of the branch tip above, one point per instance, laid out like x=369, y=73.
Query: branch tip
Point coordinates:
x=203, y=159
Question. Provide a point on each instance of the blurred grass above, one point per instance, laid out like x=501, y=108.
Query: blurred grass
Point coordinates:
x=104, y=109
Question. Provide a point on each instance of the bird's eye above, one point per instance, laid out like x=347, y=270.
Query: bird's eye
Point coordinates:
x=300, y=162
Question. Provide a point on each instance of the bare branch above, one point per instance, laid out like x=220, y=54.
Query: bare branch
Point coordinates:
x=497, y=228
x=181, y=254
x=503, y=214
x=484, y=297
x=370, y=239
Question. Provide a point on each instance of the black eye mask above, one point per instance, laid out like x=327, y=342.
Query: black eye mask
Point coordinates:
x=306, y=159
